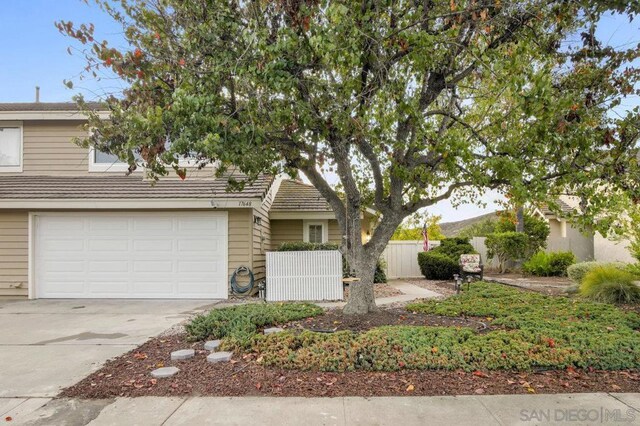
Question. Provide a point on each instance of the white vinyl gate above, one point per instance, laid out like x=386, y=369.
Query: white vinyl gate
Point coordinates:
x=304, y=275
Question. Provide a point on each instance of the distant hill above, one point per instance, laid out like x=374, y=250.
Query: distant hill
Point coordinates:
x=451, y=229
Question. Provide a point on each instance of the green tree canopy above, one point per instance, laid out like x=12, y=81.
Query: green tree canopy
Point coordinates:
x=407, y=102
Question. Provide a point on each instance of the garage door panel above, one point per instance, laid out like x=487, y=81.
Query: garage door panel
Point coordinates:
x=153, y=245
x=200, y=225
x=64, y=266
x=152, y=266
x=108, y=245
x=108, y=225
x=153, y=287
x=67, y=245
x=108, y=266
x=160, y=225
x=131, y=255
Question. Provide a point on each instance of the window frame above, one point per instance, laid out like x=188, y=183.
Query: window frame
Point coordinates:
x=18, y=168
x=118, y=166
x=325, y=229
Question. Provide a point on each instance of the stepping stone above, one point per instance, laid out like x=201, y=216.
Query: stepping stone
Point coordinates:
x=220, y=356
x=211, y=345
x=182, y=354
x=273, y=330
x=164, y=372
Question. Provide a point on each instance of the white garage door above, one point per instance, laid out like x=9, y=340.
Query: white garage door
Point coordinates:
x=131, y=255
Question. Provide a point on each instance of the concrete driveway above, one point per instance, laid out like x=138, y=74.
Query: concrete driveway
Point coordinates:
x=46, y=345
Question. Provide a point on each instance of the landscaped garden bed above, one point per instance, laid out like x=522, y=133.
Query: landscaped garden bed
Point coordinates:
x=490, y=339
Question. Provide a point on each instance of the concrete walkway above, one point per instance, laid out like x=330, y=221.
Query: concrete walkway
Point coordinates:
x=570, y=409
x=46, y=345
x=410, y=292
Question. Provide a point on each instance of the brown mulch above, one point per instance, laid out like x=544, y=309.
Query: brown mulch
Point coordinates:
x=446, y=288
x=379, y=290
x=128, y=375
x=335, y=320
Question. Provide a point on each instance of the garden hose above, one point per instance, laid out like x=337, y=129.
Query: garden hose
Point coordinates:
x=242, y=289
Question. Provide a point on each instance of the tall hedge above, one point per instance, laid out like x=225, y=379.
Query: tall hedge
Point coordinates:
x=440, y=263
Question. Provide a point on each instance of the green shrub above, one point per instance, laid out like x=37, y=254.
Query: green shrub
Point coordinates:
x=536, y=229
x=577, y=271
x=506, y=246
x=610, y=285
x=633, y=269
x=241, y=322
x=379, y=275
x=437, y=266
x=549, y=264
x=454, y=247
x=302, y=246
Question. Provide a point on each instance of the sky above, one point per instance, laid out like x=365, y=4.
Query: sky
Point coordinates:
x=33, y=53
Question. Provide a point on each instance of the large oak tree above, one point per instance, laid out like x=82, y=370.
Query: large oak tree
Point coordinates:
x=407, y=102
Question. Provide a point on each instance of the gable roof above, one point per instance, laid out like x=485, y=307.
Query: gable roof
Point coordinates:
x=564, y=208
x=124, y=187
x=47, y=106
x=294, y=195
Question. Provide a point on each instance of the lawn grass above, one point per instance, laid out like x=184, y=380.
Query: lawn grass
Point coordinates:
x=538, y=332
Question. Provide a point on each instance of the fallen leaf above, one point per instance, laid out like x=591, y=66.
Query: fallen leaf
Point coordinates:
x=531, y=390
x=153, y=381
x=410, y=388
x=139, y=355
x=615, y=387
x=138, y=385
x=479, y=373
x=434, y=350
x=258, y=385
x=479, y=391
x=160, y=364
x=8, y=418
x=511, y=382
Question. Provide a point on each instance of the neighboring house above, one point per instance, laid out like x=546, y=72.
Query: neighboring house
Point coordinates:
x=586, y=245
x=72, y=225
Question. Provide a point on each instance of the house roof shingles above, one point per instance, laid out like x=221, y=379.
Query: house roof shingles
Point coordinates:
x=47, y=106
x=564, y=208
x=123, y=187
x=297, y=196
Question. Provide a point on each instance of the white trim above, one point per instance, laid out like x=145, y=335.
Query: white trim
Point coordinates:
x=31, y=284
x=301, y=215
x=19, y=125
x=48, y=115
x=325, y=229
x=134, y=203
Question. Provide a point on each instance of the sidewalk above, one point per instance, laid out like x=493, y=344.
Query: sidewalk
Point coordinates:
x=570, y=409
x=410, y=292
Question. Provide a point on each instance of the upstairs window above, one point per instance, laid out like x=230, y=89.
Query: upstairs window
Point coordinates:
x=103, y=162
x=10, y=147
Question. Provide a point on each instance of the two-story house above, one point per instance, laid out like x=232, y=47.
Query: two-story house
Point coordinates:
x=73, y=225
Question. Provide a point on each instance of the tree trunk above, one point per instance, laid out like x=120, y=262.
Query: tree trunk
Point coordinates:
x=361, y=297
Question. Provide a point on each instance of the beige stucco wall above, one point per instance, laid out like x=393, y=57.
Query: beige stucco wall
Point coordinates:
x=581, y=244
x=606, y=250
x=14, y=241
x=14, y=254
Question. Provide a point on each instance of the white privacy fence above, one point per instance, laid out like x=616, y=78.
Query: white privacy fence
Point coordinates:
x=401, y=258
x=304, y=275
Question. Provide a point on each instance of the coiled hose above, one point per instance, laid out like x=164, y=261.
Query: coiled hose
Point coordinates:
x=242, y=289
